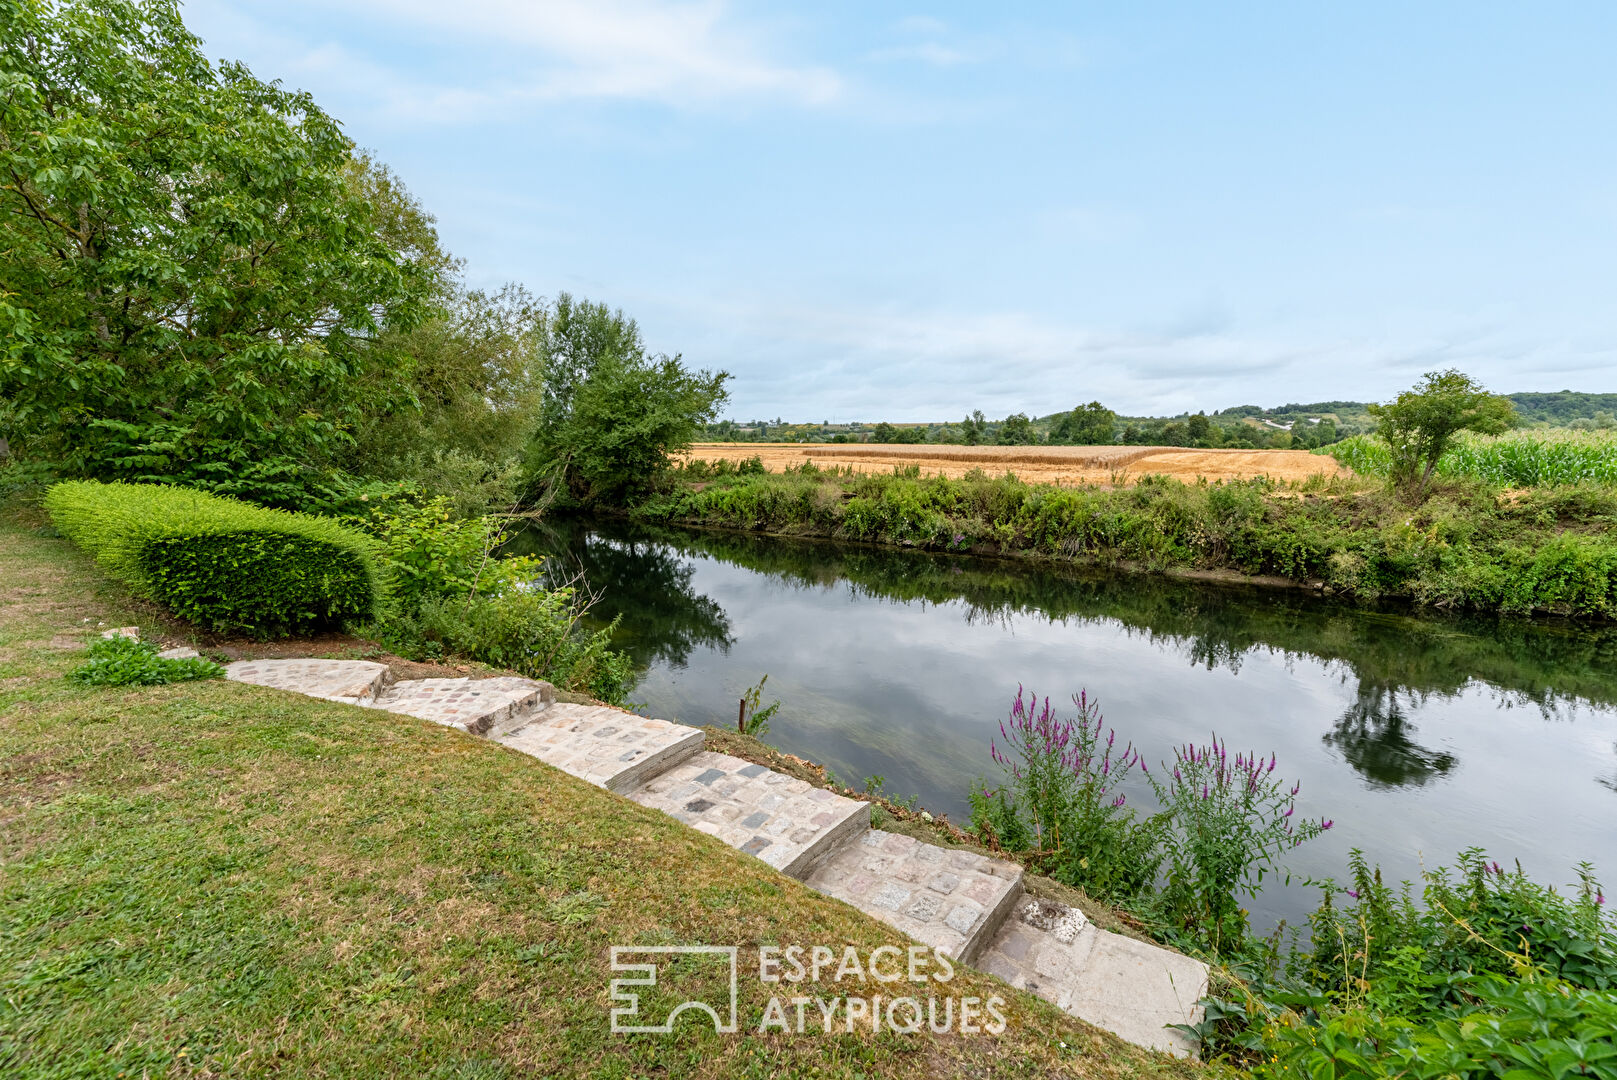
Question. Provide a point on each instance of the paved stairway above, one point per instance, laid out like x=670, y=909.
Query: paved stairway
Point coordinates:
x=967, y=905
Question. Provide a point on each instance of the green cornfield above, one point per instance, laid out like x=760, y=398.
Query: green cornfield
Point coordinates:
x=1517, y=459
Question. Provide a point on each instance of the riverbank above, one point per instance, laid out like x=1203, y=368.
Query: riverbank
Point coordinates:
x=1541, y=551
x=213, y=878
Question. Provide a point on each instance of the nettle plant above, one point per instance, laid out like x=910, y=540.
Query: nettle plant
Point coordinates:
x=1228, y=821
x=1061, y=802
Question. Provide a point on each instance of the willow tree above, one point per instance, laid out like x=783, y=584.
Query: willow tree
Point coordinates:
x=192, y=284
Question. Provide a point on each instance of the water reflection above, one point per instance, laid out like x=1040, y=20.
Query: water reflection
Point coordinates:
x=1419, y=736
x=647, y=576
x=1374, y=736
x=639, y=577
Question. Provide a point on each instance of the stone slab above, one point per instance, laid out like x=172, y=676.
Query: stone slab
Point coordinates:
x=608, y=747
x=725, y=796
x=1131, y=988
x=357, y=682
x=952, y=900
x=485, y=707
x=179, y=652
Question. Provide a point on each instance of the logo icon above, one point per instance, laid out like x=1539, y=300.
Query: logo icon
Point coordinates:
x=626, y=1015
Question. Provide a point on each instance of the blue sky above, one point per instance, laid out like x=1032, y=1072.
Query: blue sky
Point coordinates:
x=873, y=210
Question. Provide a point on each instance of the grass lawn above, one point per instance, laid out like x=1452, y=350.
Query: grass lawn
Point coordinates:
x=213, y=879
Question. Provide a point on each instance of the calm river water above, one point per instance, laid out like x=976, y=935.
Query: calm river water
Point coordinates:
x=1420, y=736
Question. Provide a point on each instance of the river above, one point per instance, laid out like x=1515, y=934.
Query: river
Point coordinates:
x=1418, y=735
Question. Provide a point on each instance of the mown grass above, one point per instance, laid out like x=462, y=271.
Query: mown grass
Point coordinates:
x=1517, y=459
x=1547, y=550
x=215, y=879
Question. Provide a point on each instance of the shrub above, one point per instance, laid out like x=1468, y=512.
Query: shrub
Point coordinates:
x=1479, y=918
x=125, y=661
x=220, y=563
x=1428, y=982
x=1228, y=822
x=1061, y=802
x=528, y=629
x=429, y=551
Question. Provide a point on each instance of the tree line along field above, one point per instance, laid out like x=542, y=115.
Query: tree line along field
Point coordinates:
x=1064, y=465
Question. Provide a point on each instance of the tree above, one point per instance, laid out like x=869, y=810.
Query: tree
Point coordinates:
x=610, y=414
x=192, y=278
x=475, y=376
x=1087, y=425
x=1017, y=430
x=1199, y=430
x=886, y=433
x=973, y=428
x=1419, y=424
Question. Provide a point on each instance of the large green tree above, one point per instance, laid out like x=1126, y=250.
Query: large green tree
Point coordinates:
x=1087, y=425
x=1017, y=430
x=193, y=279
x=1420, y=423
x=610, y=412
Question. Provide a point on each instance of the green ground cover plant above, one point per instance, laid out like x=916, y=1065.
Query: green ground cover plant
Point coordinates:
x=126, y=661
x=221, y=563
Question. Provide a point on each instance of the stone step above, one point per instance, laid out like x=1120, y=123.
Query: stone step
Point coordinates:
x=952, y=900
x=1131, y=988
x=608, y=747
x=357, y=682
x=789, y=824
x=487, y=707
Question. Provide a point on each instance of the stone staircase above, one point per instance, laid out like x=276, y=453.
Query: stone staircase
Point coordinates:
x=966, y=905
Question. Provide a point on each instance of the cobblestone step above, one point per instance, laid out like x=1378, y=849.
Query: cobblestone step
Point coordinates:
x=486, y=707
x=608, y=747
x=1131, y=988
x=950, y=900
x=357, y=682
x=967, y=905
x=789, y=824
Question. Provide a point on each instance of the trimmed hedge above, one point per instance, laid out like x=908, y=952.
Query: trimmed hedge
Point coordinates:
x=221, y=563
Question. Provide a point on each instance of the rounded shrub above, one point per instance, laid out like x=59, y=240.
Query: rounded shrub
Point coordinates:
x=221, y=563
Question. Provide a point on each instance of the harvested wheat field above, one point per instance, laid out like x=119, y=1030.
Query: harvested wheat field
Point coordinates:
x=1073, y=465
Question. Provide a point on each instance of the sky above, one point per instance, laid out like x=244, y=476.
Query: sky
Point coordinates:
x=877, y=210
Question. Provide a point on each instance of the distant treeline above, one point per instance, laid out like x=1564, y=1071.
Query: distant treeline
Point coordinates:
x=1291, y=426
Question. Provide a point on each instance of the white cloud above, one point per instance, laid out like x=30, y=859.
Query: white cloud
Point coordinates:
x=678, y=53
x=927, y=52
x=930, y=365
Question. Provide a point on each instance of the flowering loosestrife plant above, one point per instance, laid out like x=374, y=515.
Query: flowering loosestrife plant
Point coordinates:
x=1062, y=798
x=1230, y=818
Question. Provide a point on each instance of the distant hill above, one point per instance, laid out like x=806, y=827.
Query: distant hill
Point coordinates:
x=1561, y=408
x=1556, y=409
